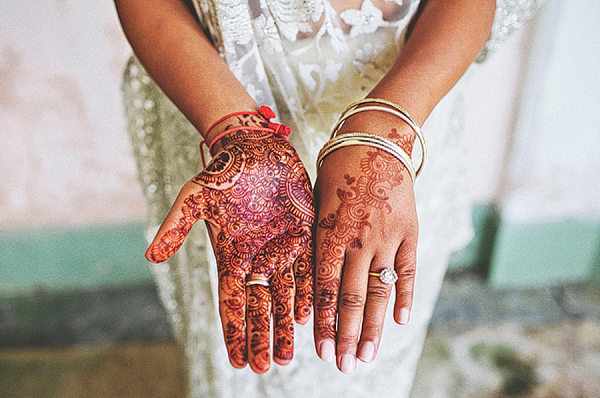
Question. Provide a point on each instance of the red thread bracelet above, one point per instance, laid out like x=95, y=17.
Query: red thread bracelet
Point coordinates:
x=265, y=111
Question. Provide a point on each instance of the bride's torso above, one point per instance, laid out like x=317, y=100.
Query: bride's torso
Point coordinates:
x=313, y=57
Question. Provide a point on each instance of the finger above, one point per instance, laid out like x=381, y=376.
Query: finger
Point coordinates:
x=406, y=262
x=329, y=261
x=187, y=209
x=232, y=305
x=282, y=286
x=234, y=260
x=298, y=189
x=378, y=296
x=303, y=271
x=351, y=304
x=259, y=319
x=275, y=259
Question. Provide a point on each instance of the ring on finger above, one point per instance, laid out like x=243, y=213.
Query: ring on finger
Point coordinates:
x=386, y=275
x=261, y=282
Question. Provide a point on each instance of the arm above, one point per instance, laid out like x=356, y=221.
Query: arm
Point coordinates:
x=255, y=195
x=445, y=39
x=171, y=45
x=376, y=203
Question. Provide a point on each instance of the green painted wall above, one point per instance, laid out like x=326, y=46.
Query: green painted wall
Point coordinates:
x=513, y=255
x=545, y=253
x=70, y=258
x=477, y=254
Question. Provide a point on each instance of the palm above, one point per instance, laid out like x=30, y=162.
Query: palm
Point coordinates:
x=256, y=197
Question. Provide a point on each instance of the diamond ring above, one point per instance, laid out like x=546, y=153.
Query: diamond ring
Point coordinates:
x=386, y=275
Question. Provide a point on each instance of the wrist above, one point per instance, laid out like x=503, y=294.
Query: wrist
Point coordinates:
x=217, y=134
x=398, y=143
x=243, y=125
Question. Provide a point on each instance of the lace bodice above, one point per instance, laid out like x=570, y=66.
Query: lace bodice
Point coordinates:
x=308, y=59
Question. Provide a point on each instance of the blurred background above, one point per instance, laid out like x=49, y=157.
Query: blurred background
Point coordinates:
x=519, y=313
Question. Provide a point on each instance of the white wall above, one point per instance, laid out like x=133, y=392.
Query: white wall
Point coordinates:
x=491, y=100
x=553, y=169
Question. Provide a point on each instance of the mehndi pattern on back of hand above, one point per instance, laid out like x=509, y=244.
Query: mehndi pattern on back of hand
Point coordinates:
x=380, y=172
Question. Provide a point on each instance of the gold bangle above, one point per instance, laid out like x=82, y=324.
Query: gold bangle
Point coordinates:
x=389, y=107
x=373, y=140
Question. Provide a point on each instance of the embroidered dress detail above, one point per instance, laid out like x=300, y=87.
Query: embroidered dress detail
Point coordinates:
x=366, y=20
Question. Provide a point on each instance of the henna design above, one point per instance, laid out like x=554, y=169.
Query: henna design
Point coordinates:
x=380, y=172
x=257, y=200
x=259, y=306
x=405, y=141
x=279, y=252
x=283, y=343
x=303, y=269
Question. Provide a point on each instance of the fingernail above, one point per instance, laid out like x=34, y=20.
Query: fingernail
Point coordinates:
x=367, y=352
x=404, y=315
x=347, y=364
x=327, y=351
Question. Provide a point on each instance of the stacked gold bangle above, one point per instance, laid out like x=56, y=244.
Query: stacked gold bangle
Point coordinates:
x=373, y=140
x=357, y=138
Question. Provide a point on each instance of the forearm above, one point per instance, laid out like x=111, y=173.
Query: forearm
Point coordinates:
x=177, y=54
x=445, y=40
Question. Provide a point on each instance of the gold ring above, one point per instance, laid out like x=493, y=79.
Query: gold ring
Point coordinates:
x=386, y=275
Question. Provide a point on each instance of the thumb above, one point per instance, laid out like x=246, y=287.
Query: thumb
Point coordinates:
x=189, y=207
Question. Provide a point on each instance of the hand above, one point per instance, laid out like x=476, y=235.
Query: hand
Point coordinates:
x=366, y=222
x=256, y=198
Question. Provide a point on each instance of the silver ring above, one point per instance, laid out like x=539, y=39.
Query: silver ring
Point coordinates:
x=261, y=282
x=386, y=275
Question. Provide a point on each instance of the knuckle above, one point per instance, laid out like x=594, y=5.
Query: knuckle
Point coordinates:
x=405, y=292
x=407, y=272
x=351, y=301
x=325, y=298
x=378, y=291
x=407, y=258
x=347, y=339
x=372, y=329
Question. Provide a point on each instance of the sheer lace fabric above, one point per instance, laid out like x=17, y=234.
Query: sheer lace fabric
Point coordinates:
x=308, y=59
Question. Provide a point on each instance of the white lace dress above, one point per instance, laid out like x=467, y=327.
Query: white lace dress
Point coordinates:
x=308, y=59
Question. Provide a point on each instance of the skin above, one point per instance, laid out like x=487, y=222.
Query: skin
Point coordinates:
x=358, y=231
x=444, y=41
x=256, y=199
x=179, y=57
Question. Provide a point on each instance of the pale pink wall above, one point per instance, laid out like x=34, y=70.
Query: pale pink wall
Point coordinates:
x=65, y=157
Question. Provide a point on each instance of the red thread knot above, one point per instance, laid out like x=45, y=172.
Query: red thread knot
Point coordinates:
x=267, y=112
x=281, y=129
